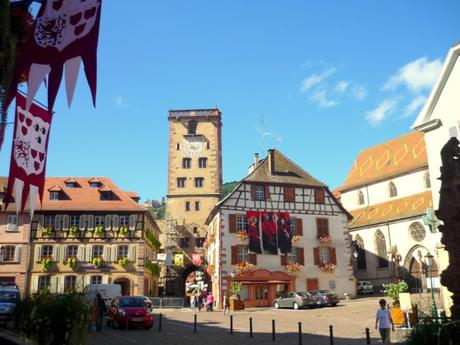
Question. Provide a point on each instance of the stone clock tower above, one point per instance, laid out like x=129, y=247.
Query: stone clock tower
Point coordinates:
x=194, y=173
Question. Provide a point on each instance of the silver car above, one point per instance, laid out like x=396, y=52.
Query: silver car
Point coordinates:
x=296, y=300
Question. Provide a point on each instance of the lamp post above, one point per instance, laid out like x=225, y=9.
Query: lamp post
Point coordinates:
x=429, y=261
x=233, y=274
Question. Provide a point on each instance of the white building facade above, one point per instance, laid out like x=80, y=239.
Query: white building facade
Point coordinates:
x=275, y=191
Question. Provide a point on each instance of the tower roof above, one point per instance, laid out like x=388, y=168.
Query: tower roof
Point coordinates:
x=215, y=112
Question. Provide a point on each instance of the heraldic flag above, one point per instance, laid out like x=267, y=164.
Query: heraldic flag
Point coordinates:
x=28, y=154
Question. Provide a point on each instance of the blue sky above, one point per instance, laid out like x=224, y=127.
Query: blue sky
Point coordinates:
x=326, y=78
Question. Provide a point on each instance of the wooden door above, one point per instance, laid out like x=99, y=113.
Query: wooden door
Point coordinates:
x=261, y=296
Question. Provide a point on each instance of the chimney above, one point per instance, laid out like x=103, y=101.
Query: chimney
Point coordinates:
x=256, y=160
x=271, y=161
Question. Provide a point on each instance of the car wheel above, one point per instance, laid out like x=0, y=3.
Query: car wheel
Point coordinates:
x=296, y=306
x=277, y=306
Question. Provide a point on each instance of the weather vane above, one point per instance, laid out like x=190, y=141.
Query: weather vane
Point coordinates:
x=265, y=132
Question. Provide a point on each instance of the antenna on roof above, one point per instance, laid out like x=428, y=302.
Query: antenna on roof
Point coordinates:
x=264, y=132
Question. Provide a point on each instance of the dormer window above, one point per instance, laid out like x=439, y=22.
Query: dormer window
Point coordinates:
x=94, y=184
x=54, y=196
x=106, y=195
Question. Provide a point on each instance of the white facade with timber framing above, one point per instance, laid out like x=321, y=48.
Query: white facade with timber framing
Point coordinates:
x=277, y=189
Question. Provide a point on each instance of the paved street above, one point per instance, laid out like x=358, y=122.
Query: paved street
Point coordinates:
x=349, y=318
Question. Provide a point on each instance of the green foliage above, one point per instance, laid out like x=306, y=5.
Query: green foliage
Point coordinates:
x=73, y=230
x=228, y=187
x=123, y=261
x=71, y=262
x=426, y=333
x=152, y=239
x=393, y=290
x=48, y=231
x=53, y=319
x=97, y=262
x=236, y=287
x=153, y=268
x=46, y=264
x=158, y=210
x=124, y=230
x=98, y=230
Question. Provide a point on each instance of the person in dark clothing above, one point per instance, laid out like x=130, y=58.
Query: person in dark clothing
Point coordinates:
x=284, y=235
x=100, y=311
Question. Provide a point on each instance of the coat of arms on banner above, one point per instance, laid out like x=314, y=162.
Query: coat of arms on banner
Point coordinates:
x=197, y=259
x=28, y=153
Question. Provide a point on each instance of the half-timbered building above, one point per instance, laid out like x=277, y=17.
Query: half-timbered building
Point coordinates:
x=89, y=231
x=279, y=230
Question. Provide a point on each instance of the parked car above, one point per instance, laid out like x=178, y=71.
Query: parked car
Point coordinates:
x=295, y=300
x=108, y=292
x=364, y=287
x=128, y=311
x=326, y=297
x=9, y=298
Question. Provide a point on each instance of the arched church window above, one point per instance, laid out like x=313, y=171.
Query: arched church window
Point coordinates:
x=360, y=197
x=381, y=249
x=392, y=191
x=361, y=259
x=426, y=180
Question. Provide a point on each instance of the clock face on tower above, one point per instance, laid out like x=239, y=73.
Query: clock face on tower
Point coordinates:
x=192, y=146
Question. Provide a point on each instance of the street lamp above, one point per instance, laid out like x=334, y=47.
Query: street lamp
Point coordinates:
x=429, y=261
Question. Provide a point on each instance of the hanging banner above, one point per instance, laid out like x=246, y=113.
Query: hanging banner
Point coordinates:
x=255, y=237
x=283, y=230
x=28, y=154
x=269, y=234
x=65, y=33
x=179, y=260
x=197, y=259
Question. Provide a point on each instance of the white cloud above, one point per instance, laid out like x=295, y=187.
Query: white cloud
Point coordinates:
x=120, y=102
x=342, y=86
x=415, y=104
x=360, y=92
x=320, y=97
x=417, y=75
x=316, y=79
x=376, y=116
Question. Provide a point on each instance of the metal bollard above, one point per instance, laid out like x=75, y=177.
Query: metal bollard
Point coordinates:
x=159, y=322
x=194, y=323
x=231, y=324
x=331, y=335
x=300, y=333
x=368, y=336
x=250, y=327
x=273, y=330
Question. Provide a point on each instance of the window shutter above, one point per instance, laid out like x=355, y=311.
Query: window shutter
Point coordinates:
x=82, y=222
x=132, y=253
x=17, y=253
x=316, y=256
x=34, y=284
x=38, y=253
x=267, y=192
x=65, y=222
x=300, y=256
x=114, y=253
x=253, y=192
x=81, y=253
x=322, y=227
x=299, y=226
x=283, y=259
x=289, y=194
x=232, y=223
x=54, y=252
x=57, y=222
x=90, y=218
x=106, y=253
x=132, y=222
x=253, y=258
x=80, y=283
x=89, y=253
x=60, y=283
x=105, y=279
x=107, y=221
x=54, y=283
x=333, y=256
x=234, y=255
x=116, y=221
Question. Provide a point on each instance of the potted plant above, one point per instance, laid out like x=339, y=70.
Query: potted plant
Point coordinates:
x=324, y=240
x=236, y=303
x=242, y=236
x=295, y=239
x=243, y=267
x=71, y=262
x=98, y=230
x=46, y=263
x=97, y=261
x=392, y=290
x=124, y=230
x=293, y=267
x=73, y=231
x=123, y=261
x=48, y=230
x=327, y=267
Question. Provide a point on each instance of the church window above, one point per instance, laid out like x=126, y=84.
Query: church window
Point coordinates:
x=392, y=191
x=426, y=180
x=381, y=248
x=360, y=197
x=417, y=231
x=361, y=259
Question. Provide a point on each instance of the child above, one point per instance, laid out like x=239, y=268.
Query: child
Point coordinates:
x=384, y=321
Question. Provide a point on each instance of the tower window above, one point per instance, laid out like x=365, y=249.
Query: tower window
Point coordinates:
x=197, y=205
x=192, y=127
x=199, y=181
x=207, y=146
x=181, y=182
x=177, y=146
x=187, y=206
x=202, y=162
x=186, y=163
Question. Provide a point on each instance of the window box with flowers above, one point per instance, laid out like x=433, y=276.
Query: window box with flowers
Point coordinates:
x=293, y=267
x=46, y=262
x=124, y=230
x=98, y=230
x=73, y=231
x=295, y=239
x=97, y=261
x=327, y=267
x=324, y=240
x=242, y=236
x=71, y=261
x=243, y=267
x=122, y=261
x=48, y=231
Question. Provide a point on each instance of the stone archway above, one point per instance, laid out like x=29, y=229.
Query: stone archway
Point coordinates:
x=125, y=285
x=416, y=270
x=191, y=276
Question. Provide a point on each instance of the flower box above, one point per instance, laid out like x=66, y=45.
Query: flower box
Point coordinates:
x=97, y=261
x=236, y=304
x=48, y=231
x=295, y=239
x=325, y=240
x=327, y=267
x=243, y=267
x=242, y=235
x=71, y=262
x=124, y=230
x=293, y=267
x=123, y=261
x=46, y=263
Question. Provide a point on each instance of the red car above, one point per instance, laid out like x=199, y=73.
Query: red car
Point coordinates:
x=128, y=311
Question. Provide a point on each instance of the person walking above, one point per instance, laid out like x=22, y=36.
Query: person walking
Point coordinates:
x=100, y=311
x=192, y=301
x=209, y=302
x=226, y=304
x=384, y=321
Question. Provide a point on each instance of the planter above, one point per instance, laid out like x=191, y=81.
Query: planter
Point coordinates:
x=236, y=304
x=397, y=315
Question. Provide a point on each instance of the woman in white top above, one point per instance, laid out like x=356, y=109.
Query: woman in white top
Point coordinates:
x=384, y=321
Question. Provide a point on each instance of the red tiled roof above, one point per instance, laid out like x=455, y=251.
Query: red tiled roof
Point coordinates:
x=54, y=188
x=401, y=208
x=133, y=195
x=397, y=156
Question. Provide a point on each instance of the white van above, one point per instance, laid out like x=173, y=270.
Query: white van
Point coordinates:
x=108, y=292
